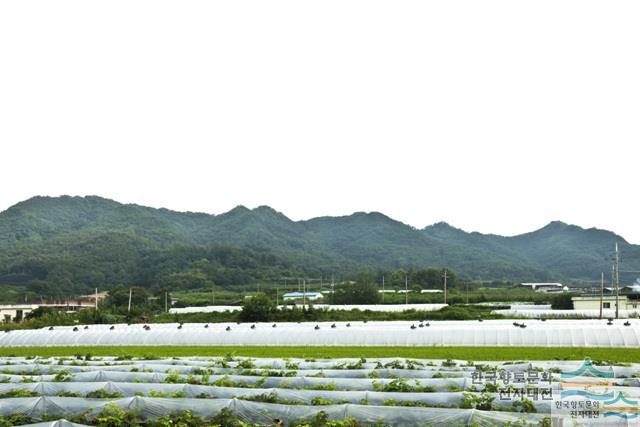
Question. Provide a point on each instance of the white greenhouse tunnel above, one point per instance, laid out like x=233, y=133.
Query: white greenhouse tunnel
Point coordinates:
x=388, y=308
x=550, y=333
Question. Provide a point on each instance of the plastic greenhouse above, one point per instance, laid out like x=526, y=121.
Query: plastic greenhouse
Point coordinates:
x=563, y=333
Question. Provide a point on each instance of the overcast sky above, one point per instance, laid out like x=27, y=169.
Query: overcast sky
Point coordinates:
x=495, y=116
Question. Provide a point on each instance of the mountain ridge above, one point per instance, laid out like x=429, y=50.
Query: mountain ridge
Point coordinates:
x=241, y=207
x=42, y=228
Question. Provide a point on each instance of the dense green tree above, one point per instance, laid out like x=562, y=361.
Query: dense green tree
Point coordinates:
x=363, y=291
x=260, y=308
x=118, y=301
x=190, y=279
x=562, y=301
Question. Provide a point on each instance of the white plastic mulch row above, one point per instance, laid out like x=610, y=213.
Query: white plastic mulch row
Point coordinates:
x=550, y=333
x=259, y=412
x=301, y=396
x=165, y=390
x=57, y=423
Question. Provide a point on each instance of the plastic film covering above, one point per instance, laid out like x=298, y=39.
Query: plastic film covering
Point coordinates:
x=58, y=423
x=569, y=314
x=264, y=413
x=185, y=369
x=457, y=367
x=298, y=396
x=388, y=308
x=391, y=391
x=551, y=333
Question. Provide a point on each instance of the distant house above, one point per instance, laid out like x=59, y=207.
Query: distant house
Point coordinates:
x=91, y=298
x=431, y=291
x=545, y=287
x=592, y=302
x=16, y=313
x=311, y=296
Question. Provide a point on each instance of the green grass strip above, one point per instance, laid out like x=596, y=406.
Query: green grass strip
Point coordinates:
x=463, y=353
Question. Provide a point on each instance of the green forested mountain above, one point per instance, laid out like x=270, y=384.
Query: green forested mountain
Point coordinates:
x=73, y=244
x=565, y=251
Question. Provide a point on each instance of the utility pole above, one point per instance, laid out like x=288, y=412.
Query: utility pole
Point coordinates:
x=613, y=276
x=304, y=293
x=445, y=286
x=96, y=299
x=617, y=269
x=601, y=292
x=406, y=290
x=129, y=307
x=466, y=289
x=333, y=297
x=166, y=301
x=277, y=296
x=383, y=288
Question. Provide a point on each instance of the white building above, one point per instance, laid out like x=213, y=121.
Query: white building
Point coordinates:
x=311, y=296
x=592, y=302
x=16, y=313
x=545, y=287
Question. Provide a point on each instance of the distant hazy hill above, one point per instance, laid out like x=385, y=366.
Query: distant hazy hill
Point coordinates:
x=84, y=241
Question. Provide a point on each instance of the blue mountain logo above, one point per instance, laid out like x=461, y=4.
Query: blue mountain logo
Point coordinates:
x=588, y=368
x=586, y=394
x=621, y=407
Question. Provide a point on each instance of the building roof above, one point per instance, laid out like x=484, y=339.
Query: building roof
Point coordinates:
x=596, y=296
x=18, y=306
x=538, y=285
x=301, y=294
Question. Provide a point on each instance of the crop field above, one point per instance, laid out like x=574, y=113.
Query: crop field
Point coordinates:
x=197, y=375
x=240, y=391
